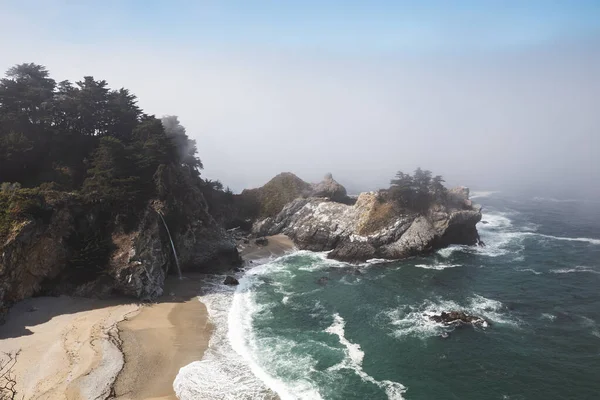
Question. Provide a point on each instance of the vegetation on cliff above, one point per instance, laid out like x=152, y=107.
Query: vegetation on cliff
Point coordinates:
x=269, y=200
x=85, y=139
x=83, y=171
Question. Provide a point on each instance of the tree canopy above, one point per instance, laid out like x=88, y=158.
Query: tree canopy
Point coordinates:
x=84, y=137
x=418, y=191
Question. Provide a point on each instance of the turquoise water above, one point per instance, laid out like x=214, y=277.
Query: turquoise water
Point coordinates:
x=363, y=332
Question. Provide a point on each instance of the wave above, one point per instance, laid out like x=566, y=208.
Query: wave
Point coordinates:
x=549, y=317
x=354, y=358
x=574, y=270
x=529, y=270
x=415, y=321
x=437, y=266
x=568, y=239
x=502, y=237
x=496, y=230
x=222, y=373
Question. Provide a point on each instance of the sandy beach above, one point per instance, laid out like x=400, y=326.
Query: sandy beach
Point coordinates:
x=78, y=348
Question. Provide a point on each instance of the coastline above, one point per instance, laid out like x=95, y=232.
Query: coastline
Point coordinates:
x=160, y=339
x=79, y=348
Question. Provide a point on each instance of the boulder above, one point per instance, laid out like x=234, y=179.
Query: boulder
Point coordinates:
x=230, y=280
x=458, y=318
x=330, y=189
x=261, y=241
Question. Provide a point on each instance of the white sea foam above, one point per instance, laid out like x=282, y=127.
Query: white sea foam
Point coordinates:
x=448, y=251
x=576, y=269
x=354, y=358
x=437, y=266
x=230, y=368
x=222, y=373
x=257, y=351
x=414, y=320
x=550, y=317
x=568, y=239
x=497, y=232
x=529, y=270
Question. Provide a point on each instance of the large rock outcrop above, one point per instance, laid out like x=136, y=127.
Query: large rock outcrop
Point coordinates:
x=372, y=228
x=76, y=249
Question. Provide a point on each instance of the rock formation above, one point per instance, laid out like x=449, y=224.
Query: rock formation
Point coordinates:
x=331, y=189
x=72, y=249
x=458, y=318
x=374, y=228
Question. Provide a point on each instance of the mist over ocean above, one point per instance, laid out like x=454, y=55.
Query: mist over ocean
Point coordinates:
x=306, y=327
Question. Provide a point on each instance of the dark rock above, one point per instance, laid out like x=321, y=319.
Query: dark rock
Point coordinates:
x=459, y=318
x=230, y=280
x=262, y=241
x=323, y=280
x=484, y=222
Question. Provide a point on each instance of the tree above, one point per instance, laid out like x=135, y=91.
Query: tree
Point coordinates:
x=25, y=95
x=186, y=147
x=111, y=175
x=418, y=191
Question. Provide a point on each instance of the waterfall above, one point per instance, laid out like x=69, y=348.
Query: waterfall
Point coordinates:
x=172, y=245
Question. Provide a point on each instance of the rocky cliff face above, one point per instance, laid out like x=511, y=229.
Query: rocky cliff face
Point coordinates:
x=374, y=229
x=75, y=250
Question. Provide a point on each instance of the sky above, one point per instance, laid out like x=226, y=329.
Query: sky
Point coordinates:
x=495, y=95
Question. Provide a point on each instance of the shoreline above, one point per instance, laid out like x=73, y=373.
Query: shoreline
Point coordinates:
x=80, y=348
x=160, y=339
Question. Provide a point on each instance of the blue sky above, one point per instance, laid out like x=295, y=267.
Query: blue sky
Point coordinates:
x=335, y=25
x=486, y=93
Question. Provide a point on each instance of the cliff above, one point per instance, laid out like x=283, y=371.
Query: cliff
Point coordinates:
x=71, y=245
x=375, y=227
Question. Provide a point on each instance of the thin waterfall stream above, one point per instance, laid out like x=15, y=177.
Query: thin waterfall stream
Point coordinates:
x=172, y=245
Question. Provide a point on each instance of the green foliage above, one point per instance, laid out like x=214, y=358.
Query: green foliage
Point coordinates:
x=18, y=205
x=417, y=192
x=275, y=194
x=85, y=137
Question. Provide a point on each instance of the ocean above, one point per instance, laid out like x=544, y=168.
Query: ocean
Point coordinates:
x=305, y=327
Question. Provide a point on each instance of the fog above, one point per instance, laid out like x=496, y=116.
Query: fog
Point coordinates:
x=508, y=119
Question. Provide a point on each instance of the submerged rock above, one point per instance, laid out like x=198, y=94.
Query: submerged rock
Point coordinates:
x=458, y=317
x=230, y=280
x=323, y=280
